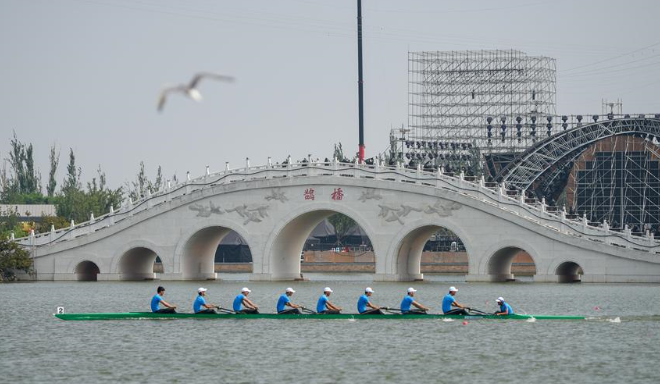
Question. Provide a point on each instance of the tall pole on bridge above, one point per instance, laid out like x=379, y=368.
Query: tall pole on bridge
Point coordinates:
x=360, y=83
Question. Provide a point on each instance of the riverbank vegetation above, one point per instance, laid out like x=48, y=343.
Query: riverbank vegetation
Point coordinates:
x=13, y=258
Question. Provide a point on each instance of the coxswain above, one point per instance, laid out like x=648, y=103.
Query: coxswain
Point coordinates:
x=505, y=308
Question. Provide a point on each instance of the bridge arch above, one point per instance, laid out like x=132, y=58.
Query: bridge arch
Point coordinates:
x=287, y=240
x=138, y=264
x=569, y=272
x=405, y=255
x=87, y=271
x=194, y=257
x=135, y=261
x=497, y=260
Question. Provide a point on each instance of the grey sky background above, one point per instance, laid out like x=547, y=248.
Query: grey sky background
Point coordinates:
x=86, y=74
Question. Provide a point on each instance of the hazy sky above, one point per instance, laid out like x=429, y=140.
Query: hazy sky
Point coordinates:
x=86, y=74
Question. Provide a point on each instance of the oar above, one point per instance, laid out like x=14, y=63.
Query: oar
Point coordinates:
x=478, y=311
x=307, y=310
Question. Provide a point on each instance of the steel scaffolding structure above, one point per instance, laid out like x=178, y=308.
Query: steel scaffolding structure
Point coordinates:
x=493, y=113
x=618, y=180
x=452, y=93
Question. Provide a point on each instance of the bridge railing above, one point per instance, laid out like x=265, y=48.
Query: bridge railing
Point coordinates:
x=492, y=194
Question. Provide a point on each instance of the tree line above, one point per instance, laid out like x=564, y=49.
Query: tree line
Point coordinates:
x=21, y=183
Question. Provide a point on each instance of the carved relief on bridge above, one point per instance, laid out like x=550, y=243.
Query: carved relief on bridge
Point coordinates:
x=277, y=195
x=370, y=194
x=398, y=213
x=251, y=213
x=203, y=211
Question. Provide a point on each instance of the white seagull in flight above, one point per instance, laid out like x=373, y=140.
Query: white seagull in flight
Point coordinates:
x=190, y=89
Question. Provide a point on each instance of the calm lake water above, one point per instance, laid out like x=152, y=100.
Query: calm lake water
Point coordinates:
x=36, y=347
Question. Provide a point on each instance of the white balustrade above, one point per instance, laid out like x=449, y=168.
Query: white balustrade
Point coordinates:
x=473, y=189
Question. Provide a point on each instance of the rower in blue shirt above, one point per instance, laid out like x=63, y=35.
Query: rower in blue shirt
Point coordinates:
x=243, y=305
x=505, y=308
x=363, y=304
x=158, y=299
x=285, y=301
x=449, y=301
x=409, y=301
x=324, y=306
x=200, y=306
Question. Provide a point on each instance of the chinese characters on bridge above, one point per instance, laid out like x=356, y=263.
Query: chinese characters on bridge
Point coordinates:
x=337, y=194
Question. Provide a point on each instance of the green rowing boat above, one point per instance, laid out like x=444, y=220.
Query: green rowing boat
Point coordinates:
x=150, y=315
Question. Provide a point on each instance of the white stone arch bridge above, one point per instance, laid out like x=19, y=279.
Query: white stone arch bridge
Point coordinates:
x=275, y=207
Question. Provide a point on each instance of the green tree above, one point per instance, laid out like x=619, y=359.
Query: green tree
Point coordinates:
x=9, y=224
x=99, y=197
x=5, y=183
x=78, y=204
x=32, y=177
x=54, y=162
x=339, y=154
x=158, y=183
x=139, y=188
x=43, y=226
x=342, y=224
x=12, y=258
x=16, y=155
x=25, y=178
x=30, y=198
x=72, y=180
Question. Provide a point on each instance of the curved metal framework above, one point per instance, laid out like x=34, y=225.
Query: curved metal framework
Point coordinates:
x=529, y=166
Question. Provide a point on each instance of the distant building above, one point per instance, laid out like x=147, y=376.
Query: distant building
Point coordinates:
x=28, y=212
